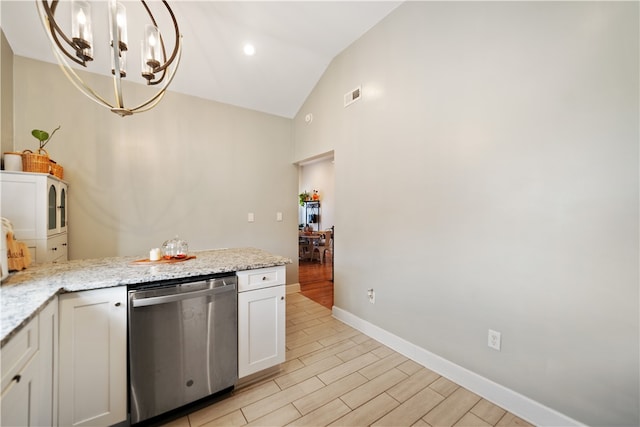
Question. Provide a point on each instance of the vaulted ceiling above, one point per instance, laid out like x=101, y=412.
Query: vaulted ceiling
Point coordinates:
x=294, y=41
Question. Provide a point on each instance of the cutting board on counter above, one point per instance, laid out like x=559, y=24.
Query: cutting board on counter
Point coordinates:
x=162, y=261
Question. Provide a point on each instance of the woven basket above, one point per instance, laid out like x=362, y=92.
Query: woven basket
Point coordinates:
x=32, y=162
x=57, y=170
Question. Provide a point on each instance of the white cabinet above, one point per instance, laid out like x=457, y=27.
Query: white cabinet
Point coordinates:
x=48, y=360
x=93, y=357
x=28, y=372
x=20, y=399
x=37, y=206
x=261, y=319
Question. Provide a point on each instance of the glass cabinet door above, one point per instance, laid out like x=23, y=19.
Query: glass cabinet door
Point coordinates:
x=63, y=208
x=51, y=211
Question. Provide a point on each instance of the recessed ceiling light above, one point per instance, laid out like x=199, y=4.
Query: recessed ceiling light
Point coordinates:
x=249, y=49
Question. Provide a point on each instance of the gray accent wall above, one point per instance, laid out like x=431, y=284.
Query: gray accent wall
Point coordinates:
x=488, y=179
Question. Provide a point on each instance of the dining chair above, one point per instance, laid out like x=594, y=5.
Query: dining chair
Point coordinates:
x=304, y=249
x=323, y=246
x=329, y=249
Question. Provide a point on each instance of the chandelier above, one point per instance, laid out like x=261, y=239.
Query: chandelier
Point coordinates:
x=78, y=48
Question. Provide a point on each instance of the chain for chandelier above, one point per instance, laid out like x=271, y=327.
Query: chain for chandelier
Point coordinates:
x=156, y=68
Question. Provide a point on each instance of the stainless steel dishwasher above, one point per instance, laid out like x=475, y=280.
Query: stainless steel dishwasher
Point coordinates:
x=183, y=341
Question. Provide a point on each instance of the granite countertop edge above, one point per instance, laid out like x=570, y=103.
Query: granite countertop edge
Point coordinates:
x=24, y=294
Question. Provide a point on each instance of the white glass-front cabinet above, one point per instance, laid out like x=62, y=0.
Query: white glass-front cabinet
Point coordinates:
x=37, y=206
x=93, y=357
x=56, y=207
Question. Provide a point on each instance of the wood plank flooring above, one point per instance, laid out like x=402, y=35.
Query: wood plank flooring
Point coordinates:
x=315, y=281
x=335, y=375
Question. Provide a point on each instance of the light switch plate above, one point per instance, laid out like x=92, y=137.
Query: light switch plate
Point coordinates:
x=250, y=217
x=278, y=216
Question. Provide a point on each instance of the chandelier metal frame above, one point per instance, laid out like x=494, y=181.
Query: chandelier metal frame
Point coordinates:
x=75, y=48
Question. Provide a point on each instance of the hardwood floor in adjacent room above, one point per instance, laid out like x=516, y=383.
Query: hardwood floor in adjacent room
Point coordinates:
x=315, y=281
x=336, y=375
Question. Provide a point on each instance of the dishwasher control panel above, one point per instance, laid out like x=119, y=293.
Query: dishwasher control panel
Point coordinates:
x=249, y=280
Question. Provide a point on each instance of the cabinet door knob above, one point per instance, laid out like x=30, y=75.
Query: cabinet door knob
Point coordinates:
x=118, y=304
x=281, y=298
x=264, y=277
x=17, y=378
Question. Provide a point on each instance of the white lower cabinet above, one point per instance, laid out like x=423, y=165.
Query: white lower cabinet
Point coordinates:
x=261, y=319
x=93, y=358
x=48, y=359
x=28, y=377
x=20, y=399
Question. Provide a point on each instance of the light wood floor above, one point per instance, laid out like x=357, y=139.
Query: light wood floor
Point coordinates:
x=335, y=375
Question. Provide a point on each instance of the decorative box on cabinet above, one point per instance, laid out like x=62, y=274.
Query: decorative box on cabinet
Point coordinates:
x=261, y=319
x=36, y=205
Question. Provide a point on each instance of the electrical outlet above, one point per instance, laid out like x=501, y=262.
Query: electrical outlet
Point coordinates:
x=372, y=296
x=494, y=340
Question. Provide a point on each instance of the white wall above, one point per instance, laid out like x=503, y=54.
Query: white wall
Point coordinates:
x=319, y=175
x=6, y=95
x=189, y=167
x=496, y=150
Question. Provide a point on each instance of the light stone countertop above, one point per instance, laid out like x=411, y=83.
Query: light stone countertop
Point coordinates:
x=23, y=294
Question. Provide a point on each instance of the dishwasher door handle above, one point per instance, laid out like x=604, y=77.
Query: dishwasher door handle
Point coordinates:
x=144, y=302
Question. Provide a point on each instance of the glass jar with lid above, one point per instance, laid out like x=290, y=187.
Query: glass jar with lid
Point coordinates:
x=175, y=248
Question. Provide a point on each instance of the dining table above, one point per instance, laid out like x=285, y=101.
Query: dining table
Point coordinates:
x=306, y=242
x=311, y=237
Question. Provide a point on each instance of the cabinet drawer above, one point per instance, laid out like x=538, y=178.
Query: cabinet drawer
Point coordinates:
x=57, y=248
x=261, y=278
x=18, y=351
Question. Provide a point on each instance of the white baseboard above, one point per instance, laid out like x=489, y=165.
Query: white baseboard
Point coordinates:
x=293, y=288
x=516, y=403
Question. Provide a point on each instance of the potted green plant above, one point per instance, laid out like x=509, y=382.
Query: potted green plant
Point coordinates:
x=43, y=136
x=303, y=197
x=40, y=161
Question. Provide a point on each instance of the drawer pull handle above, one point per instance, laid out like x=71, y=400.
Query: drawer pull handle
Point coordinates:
x=118, y=304
x=264, y=277
x=17, y=378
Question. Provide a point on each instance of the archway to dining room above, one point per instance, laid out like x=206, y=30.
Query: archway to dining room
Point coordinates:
x=316, y=231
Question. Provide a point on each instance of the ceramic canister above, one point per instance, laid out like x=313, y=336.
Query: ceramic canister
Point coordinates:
x=13, y=161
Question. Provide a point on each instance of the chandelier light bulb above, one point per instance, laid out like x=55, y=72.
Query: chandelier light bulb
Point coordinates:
x=150, y=51
x=121, y=22
x=81, y=33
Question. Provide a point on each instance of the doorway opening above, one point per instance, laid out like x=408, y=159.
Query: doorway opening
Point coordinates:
x=316, y=230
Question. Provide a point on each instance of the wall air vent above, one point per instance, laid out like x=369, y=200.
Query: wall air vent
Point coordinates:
x=352, y=96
